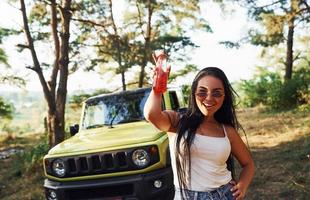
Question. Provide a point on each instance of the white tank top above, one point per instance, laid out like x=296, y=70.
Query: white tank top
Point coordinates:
x=208, y=161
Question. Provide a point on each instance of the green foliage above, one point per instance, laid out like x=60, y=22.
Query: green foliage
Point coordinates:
x=172, y=43
x=268, y=88
x=40, y=35
x=3, y=57
x=39, y=22
x=8, y=78
x=274, y=30
x=6, y=109
x=38, y=14
x=29, y=159
x=186, y=89
x=122, y=42
x=87, y=7
x=283, y=95
x=265, y=40
x=12, y=79
x=277, y=25
x=5, y=32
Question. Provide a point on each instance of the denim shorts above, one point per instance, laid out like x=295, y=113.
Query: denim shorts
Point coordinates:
x=221, y=193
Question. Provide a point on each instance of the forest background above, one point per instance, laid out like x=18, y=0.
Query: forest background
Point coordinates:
x=59, y=38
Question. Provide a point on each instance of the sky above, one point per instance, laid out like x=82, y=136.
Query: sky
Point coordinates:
x=236, y=63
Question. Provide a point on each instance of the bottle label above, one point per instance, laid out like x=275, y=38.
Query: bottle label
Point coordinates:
x=162, y=73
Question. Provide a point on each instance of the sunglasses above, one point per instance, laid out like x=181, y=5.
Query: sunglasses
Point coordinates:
x=203, y=94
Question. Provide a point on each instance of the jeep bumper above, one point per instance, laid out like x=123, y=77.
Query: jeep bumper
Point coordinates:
x=153, y=185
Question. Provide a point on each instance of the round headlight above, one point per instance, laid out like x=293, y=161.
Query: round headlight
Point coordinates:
x=140, y=158
x=59, y=167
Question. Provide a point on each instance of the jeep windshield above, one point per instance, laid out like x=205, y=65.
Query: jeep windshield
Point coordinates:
x=115, y=108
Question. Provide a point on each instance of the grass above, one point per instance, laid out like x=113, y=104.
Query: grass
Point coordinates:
x=21, y=178
x=279, y=142
x=280, y=145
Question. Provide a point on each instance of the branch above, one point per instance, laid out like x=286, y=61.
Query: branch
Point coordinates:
x=303, y=9
x=63, y=58
x=28, y=36
x=306, y=4
x=90, y=22
x=140, y=20
x=89, y=45
x=36, y=67
x=271, y=4
x=297, y=56
x=54, y=24
x=301, y=19
x=31, y=68
x=23, y=46
x=104, y=26
x=116, y=35
x=149, y=26
x=106, y=52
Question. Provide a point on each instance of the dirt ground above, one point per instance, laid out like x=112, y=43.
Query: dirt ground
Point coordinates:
x=280, y=145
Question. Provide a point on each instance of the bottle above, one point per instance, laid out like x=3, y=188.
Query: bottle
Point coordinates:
x=162, y=71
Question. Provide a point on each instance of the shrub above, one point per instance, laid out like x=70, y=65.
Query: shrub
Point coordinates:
x=6, y=109
x=270, y=89
x=29, y=159
x=186, y=89
x=260, y=89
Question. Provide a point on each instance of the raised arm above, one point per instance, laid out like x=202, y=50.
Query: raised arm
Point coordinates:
x=153, y=107
x=154, y=114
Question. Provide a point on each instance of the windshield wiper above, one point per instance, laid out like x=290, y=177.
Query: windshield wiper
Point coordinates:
x=95, y=126
x=111, y=122
x=130, y=120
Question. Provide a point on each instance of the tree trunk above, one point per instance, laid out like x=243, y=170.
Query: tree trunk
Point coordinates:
x=55, y=103
x=52, y=128
x=146, y=45
x=289, y=50
x=116, y=39
x=290, y=40
x=123, y=80
x=63, y=70
x=145, y=59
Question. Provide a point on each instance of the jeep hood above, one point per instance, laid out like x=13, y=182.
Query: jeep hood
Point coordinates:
x=105, y=138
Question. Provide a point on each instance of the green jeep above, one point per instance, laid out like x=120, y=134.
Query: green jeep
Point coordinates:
x=114, y=152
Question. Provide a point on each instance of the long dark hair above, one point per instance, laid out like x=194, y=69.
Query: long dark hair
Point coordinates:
x=190, y=121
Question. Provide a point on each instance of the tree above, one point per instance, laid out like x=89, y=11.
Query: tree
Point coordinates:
x=100, y=34
x=144, y=28
x=161, y=26
x=54, y=89
x=292, y=13
x=279, y=20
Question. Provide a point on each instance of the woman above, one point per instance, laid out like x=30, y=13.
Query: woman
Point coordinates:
x=202, y=139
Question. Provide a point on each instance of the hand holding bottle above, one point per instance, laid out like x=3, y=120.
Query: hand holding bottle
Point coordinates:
x=162, y=71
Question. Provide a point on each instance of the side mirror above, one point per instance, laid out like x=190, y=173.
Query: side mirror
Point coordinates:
x=182, y=110
x=74, y=129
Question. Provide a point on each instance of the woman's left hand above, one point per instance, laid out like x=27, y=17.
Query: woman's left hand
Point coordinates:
x=237, y=190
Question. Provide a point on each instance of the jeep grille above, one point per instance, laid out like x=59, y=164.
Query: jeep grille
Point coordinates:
x=102, y=163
